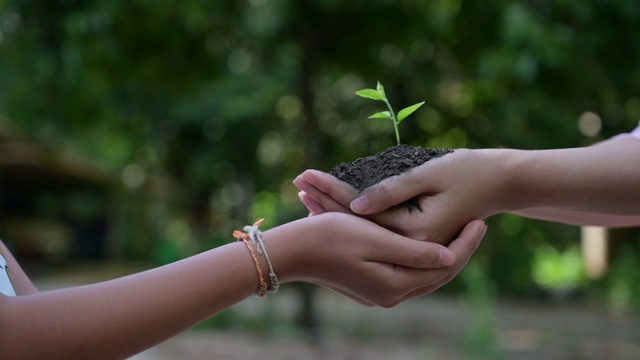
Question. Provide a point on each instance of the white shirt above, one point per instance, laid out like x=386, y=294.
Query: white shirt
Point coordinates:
x=6, y=287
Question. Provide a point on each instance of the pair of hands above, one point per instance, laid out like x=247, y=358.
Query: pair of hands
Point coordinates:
x=399, y=267
x=451, y=191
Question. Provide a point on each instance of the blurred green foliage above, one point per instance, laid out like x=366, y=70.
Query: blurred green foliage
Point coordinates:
x=479, y=337
x=204, y=111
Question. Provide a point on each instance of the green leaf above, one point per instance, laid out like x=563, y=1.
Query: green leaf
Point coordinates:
x=381, y=115
x=380, y=90
x=408, y=111
x=369, y=94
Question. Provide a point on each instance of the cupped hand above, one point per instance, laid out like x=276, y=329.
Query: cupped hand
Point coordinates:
x=322, y=192
x=451, y=191
x=370, y=264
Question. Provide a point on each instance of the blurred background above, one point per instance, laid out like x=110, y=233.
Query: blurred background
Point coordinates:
x=135, y=133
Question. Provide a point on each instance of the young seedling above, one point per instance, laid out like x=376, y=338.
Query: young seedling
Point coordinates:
x=379, y=94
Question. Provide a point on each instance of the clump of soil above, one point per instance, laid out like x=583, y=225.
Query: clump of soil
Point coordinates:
x=367, y=171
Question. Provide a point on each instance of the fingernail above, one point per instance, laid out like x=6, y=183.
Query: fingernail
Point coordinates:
x=483, y=231
x=299, y=183
x=447, y=257
x=360, y=205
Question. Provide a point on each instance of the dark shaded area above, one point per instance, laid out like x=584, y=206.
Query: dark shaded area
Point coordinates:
x=53, y=209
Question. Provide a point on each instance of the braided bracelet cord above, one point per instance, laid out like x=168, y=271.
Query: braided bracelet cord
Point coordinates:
x=253, y=235
x=262, y=289
x=256, y=235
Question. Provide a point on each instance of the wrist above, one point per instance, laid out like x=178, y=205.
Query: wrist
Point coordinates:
x=519, y=180
x=496, y=176
x=289, y=246
x=301, y=248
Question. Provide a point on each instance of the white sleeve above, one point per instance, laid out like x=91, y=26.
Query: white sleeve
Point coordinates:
x=634, y=134
x=6, y=287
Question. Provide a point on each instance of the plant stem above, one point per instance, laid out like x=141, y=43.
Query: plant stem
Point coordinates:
x=393, y=119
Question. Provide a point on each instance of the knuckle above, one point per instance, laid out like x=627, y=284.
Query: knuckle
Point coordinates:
x=384, y=188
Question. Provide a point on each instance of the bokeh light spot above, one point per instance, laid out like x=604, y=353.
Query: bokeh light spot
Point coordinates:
x=589, y=124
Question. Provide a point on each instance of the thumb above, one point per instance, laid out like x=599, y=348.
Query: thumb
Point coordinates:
x=387, y=193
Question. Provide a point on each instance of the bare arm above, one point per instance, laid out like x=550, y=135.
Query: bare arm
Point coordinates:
x=580, y=218
x=118, y=318
x=602, y=179
x=622, y=153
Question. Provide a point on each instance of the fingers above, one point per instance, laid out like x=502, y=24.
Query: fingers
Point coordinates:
x=399, y=250
x=453, y=271
x=421, y=282
x=469, y=239
x=311, y=205
x=311, y=197
x=328, y=184
x=326, y=191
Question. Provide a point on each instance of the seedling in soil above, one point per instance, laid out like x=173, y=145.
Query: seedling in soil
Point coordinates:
x=379, y=95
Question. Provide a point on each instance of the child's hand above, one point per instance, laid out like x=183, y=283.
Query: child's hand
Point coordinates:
x=364, y=261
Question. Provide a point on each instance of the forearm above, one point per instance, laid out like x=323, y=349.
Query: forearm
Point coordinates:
x=118, y=318
x=600, y=179
x=580, y=218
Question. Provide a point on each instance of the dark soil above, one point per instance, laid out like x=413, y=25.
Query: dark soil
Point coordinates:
x=367, y=171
